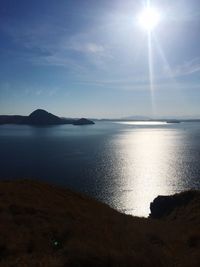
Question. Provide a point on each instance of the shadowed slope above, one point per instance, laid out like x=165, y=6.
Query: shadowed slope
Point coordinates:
x=41, y=116
x=44, y=225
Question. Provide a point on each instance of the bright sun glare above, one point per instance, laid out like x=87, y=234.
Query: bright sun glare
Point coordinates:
x=149, y=18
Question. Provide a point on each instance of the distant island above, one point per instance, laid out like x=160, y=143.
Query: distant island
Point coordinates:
x=42, y=117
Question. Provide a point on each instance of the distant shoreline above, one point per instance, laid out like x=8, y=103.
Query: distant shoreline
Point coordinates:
x=150, y=120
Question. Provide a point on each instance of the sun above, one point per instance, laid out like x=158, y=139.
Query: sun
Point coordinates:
x=149, y=18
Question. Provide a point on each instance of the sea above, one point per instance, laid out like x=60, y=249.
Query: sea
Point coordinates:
x=123, y=164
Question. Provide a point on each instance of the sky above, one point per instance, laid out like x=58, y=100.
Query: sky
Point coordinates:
x=91, y=58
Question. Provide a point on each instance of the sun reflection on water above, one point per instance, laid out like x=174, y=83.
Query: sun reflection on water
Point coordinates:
x=145, y=123
x=145, y=166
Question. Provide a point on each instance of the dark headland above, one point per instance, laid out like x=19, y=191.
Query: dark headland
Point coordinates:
x=44, y=225
x=41, y=117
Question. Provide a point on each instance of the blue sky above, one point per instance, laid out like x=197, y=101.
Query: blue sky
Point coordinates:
x=90, y=58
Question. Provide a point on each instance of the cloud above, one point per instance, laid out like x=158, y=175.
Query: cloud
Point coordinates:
x=138, y=84
x=85, y=47
x=187, y=68
x=94, y=48
x=52, y=46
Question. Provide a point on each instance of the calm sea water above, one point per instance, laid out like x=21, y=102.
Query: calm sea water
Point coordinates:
x=123, y=164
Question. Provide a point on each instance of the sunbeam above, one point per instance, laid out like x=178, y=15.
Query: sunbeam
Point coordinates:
x=149, y=19
x=163, y=57
x=151, y=75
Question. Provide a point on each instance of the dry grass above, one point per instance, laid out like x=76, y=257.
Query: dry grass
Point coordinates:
x=43, y=225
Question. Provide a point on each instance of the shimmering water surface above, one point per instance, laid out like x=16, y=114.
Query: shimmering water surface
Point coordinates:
x=123, y=164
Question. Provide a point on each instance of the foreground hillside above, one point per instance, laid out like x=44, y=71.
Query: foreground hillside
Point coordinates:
x=43, y=225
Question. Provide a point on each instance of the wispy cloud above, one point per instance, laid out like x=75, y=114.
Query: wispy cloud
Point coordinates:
x=91, y=59
x=187, y=68
x=139, y=84
x=85, y=47
x=51, y=36
x=52, y=46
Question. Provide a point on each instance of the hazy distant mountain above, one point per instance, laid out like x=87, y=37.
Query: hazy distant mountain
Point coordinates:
x=136, y=117
x=41, y=117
